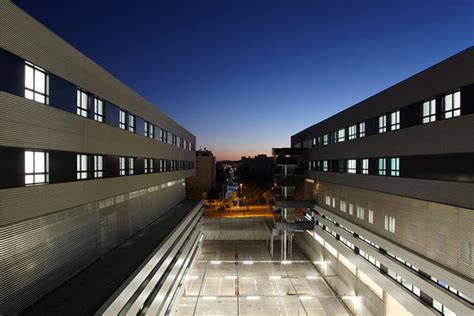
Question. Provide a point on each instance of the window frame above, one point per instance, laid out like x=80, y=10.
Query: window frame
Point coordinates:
x=455, y=109
x=364, y=163
x=429, y=115
x=382, y=124
x=352, y=132
x=99, y=115
x=98, y=167
x=36, y=95
x=82, y=167
x=80, y=109
x=31, y=172
x=148, y=165
x=131, y=122
x=395, y=120
x=123, y=119
x=395, y=166
x=361, y=126
x=131, y=165
x=382, y=166
x=123, y=166
x=352, y=166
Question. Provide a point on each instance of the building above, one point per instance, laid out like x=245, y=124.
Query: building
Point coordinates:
x=392, y=180
x=198, y=186
x=85, y=161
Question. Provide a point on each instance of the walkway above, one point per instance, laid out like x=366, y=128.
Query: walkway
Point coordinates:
x=239, y=278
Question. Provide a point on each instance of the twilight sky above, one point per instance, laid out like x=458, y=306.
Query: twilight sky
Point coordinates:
x=245, y=75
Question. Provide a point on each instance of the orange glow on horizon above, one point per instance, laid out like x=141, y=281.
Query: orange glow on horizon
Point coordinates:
x=237, y=155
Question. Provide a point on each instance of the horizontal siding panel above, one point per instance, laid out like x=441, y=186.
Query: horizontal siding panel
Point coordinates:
x=29, y=39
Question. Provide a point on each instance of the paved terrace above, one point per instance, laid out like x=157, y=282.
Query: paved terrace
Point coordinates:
x=85, y=293
x=239, y=278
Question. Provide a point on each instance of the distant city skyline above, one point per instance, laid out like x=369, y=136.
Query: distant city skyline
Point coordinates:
x=243, y=75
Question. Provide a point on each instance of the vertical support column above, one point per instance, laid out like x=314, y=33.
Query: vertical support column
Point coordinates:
x=291, y=245
x=271, y=245
x=284, y=244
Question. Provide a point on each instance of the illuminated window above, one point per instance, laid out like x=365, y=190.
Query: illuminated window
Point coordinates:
x=341, y=135
x=342, y=206
x=325, y=139
x=123, y=119
x=82, y=104
x=36, y=167
x=98, y=110
x=351, y=209
x=390, y=223
x=362, y=129
x=352, y=132
x=82, y=167
x=452, y=105
x=36, y=83
x=365, y=166
x=98, y=166
x=151, y=131
x=428, y=111
x=382, y=166
x=131, y=165
x=351, y=166
x=334, y=202
x=328, y=200
x=371, y=216
x=360, y=212
x=395, y=167
x=395, y=120
x=382, y=124
x=131, y=123
x=122, y=166
x=325, y=165
x=148, y=165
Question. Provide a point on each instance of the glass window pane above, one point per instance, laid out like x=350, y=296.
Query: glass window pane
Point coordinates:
x=39, y=178
x=39, y=162
x=29, y=94
x=448, y=102
x=39, y=98
x=40, y=82
x=28, y=77
x=457, y=99
x=29, y=179
x=84, y=162
x=29, y=162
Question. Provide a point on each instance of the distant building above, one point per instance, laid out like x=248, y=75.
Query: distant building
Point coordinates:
x=261, y=166
x=205, y=180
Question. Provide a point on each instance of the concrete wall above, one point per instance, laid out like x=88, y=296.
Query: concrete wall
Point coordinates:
x=430, y=219
x=235, y=229
x=41, y=253
x=341, y=280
